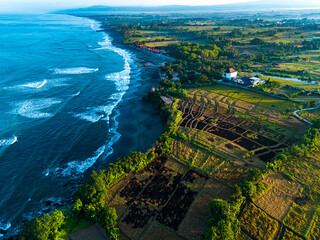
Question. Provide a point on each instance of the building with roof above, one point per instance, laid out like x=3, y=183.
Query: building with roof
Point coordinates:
x=166, y=100
x=230, y=74
x=249, y=82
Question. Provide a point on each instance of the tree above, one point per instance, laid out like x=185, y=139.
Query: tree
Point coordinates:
x=108, y=220
x=45, y=227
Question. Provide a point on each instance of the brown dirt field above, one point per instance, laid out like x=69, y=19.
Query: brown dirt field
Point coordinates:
x=276, y=203
x=157, y=231
x=212, y=95
x=223, y=105
x=219, y=97
x=129, y=231
x=217, y=189
x=210, y=164
x=119, y=204
x=176, y=166
x=196, y=218
x=245, y=105
x=279, y=198
x=91, y=233
x=240, y=110
x=279, y=181
x=238, y=175
x=118, y=186
x=224, y=171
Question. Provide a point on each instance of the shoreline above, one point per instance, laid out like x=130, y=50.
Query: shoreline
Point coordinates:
x=139, y=123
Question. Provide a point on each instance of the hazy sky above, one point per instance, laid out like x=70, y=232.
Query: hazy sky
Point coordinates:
x=50, y=5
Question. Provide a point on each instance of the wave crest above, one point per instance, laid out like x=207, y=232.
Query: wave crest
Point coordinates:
x=8, y=141
x=76, y=70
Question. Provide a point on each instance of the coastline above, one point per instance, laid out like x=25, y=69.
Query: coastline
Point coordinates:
x=139, y=123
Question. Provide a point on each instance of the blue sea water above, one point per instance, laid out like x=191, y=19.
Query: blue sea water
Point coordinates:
x=61, y=81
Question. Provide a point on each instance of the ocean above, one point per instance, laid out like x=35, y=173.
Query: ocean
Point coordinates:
x=61, y=83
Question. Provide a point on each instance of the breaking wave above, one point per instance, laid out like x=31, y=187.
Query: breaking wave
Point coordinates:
x=8, y=142
x=76, y=168
x=34, y=84
x=40, y=85
x=77, y=70
x=4, y=227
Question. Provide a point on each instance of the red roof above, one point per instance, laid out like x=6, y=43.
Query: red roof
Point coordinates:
x=230, y=70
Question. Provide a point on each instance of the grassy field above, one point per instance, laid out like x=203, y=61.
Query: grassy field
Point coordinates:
x=251, y=97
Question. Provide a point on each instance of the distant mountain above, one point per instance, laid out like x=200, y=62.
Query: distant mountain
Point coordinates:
x=264, y=4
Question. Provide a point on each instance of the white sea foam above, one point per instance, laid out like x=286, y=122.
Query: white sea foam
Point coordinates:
x=96, y=26
x=122, y=81
x=90, y=116
x=35, y=84
x=76, y=168
x=33, y=108
x=4, y=227
x=8, y=141
x=40, y=85
x=76, y=94
x=76, y=70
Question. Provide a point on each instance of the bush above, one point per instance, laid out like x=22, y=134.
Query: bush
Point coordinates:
x=224, y=223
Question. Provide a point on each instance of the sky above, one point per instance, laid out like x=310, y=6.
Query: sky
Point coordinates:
x=20, y=6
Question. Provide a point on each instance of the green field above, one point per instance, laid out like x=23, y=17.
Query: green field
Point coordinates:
x=260, y=99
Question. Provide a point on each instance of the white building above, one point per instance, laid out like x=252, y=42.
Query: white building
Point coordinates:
x=230, y=74
x=256, y=81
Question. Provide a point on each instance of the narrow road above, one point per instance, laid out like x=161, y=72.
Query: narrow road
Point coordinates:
x=295, y=113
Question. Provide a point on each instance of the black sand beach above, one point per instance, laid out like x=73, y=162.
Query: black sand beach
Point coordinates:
x=139, y=122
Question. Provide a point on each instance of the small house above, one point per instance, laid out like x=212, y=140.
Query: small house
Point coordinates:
x=275, y=65
x=230, y=74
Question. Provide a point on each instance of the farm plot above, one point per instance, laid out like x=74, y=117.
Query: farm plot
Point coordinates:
x=305, y=169
x=300, y=218
x=315, y=232
x=289, y=235
x=162, y=191
x=252, y=105
x=257, y=224
x=245, y=133
x=280, y=196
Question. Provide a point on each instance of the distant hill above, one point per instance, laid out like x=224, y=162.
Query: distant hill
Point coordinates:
x=179, y=8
